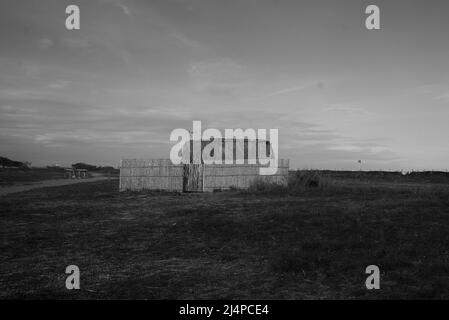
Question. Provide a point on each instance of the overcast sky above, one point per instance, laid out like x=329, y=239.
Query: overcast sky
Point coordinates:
x=136, y=70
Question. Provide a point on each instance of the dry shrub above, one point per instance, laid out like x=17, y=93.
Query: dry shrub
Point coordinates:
x=266, y=187
x=302, y=180
x=298, y=181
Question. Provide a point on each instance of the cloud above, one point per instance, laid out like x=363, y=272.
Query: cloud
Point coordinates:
x=284, y=91
x=59, y=84
x=126, y=10
x=45, y=43
x=59, y=123
x=330, y=155
x=437, y=91
x=346, y=109
x=288, y=90
x=119, y=4
x=76, y=43
x=17, y=94
x=425, y=89
x=221, y=76
x=6, y=108
x=186, y=40
x=88, y=136
x=443, y=97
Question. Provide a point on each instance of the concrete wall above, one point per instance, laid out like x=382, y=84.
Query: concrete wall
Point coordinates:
x=140, y=174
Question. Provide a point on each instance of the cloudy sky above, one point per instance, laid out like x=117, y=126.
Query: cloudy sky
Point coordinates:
x=136, y=70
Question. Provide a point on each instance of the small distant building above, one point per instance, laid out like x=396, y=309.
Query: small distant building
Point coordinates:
x=196, y=176
x=72, y=173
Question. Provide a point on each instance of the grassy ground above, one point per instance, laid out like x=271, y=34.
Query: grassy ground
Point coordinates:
x=10, y=176
x=14, y=176
x=312, y=243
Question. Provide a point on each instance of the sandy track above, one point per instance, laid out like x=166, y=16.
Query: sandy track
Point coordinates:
x=4, y=190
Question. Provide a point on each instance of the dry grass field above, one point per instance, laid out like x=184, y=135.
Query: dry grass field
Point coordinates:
x=310, y=240
x=11, y=176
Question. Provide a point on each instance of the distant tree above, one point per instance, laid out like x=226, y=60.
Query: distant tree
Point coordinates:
x=81, y=165
x=108, y=169
x=8, y=163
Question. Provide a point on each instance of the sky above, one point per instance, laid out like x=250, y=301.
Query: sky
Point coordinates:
x=136, y=70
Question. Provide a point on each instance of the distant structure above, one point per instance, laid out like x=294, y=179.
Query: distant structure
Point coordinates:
x=72, y=173
x=162, y=174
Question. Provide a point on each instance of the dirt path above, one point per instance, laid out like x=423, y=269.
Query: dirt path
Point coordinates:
x=4, y=190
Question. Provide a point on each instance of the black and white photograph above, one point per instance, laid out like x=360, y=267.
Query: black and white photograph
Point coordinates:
x=217, y=150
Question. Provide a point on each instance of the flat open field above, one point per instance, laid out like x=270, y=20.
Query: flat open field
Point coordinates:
x=310, y=244
x=12, y=176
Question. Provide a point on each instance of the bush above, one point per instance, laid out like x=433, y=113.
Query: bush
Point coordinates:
x=302, y=180
x=261, y=186
x=298, y=181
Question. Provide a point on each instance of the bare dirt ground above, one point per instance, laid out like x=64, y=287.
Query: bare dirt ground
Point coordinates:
x=4, y=190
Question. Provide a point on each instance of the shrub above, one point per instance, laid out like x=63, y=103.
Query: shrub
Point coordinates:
x=262, y=186
x=302, y=180
x=298, y=181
